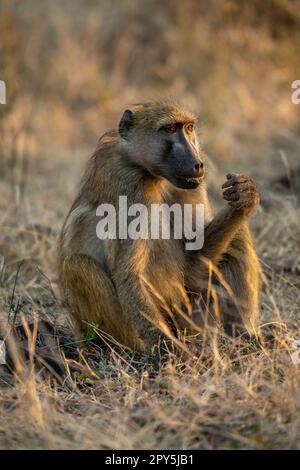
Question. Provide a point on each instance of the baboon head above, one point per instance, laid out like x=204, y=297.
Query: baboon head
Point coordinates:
x=161, y=138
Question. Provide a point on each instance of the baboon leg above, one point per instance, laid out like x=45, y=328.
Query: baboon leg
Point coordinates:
x=240, y=272
x=236, y=283
x=91, y=298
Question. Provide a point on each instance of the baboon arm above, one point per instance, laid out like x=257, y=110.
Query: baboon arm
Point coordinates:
x=243, y=197
x=218, y=235
x=220, y=232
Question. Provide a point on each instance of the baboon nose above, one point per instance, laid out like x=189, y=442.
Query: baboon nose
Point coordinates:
x=199, y=169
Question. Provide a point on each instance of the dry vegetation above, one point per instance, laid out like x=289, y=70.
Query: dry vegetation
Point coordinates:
x=70, y=67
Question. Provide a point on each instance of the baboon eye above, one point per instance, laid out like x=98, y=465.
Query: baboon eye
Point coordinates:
x=171, y=128
x=189, y=128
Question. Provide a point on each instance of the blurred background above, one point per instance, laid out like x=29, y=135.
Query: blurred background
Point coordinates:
x=70, y=68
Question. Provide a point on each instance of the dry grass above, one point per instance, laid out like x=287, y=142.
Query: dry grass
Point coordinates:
x=234, y=393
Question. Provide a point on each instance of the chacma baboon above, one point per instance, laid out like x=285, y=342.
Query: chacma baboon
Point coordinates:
x=131, y=288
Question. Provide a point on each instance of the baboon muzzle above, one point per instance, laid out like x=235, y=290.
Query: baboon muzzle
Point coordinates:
x=188, y=165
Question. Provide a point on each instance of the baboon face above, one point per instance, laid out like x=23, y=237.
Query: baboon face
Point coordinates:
x=162, y=139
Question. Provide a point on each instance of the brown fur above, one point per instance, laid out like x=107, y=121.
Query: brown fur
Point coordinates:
x=129, y=288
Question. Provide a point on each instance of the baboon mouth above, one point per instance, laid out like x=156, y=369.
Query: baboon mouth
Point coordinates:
x=193, y=179
x=188, y=182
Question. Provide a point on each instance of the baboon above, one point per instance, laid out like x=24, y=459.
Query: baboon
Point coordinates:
x=133, y=290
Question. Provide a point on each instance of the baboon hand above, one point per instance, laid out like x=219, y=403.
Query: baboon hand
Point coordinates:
x=241, y=192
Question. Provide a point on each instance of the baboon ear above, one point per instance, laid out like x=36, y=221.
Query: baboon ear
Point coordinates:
x=126, y=123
